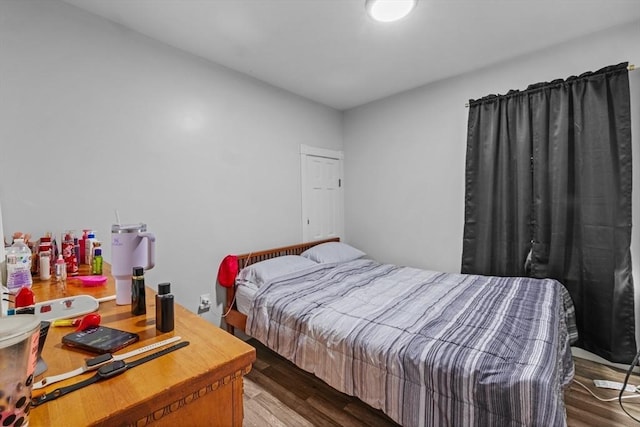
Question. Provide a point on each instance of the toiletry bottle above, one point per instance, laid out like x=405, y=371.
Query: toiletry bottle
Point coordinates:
x=68, y=253
x=61, y=269
x=96, y=262
x=138, y=299
x=44, y=267
x=76, y=250
x=95, y=245
x=18, y=266
x=83, y=250
x=88, y=247
x=164, y=308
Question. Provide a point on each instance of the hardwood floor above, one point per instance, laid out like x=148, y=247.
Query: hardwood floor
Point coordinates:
x=279, y=394
x=585, y=410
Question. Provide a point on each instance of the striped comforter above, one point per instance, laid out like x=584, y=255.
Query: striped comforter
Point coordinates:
x=427, y=348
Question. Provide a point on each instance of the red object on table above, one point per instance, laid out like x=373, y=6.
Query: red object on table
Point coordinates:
x=24, y=298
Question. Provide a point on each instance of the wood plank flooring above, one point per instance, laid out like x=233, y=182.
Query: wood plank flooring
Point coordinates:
x=279, y=394
x=585, y=410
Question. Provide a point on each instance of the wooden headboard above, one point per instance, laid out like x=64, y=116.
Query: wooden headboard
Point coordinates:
x=235, y=319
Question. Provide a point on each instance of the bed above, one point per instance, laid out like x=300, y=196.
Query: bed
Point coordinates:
x=427, y=348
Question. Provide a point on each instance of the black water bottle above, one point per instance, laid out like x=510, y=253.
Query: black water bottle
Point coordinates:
x=164, y=308
x=138, y=297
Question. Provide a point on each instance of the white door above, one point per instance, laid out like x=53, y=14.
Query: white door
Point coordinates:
x=322, y=195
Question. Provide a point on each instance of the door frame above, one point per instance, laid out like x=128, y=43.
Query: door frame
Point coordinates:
x=306, y=150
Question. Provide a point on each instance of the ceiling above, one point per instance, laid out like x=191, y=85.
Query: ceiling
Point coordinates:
x=331, y=52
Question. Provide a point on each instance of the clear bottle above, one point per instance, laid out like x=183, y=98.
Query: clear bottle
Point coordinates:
x=138, y=297
x=18, y=266
x=164, y=308
x=61, y=269
x=96, y=262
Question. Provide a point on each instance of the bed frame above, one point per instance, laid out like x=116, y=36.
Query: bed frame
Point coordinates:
x=234, y=318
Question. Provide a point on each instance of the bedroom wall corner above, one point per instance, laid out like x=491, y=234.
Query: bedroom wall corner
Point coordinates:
x=405, y=155
x=95, y=117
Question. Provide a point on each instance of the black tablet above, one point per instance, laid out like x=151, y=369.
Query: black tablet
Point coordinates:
x=100, y=339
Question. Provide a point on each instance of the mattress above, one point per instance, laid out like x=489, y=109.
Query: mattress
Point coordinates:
x=245, y=293
x=427, y=348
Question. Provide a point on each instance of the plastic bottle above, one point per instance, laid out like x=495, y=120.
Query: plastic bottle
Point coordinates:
x=18, y=266
x=88, y=247
x=61, y=269
x=138, y=297
x=44, y=263
x=76, y=249
x=164, y=308
x=83, y=250
x=96, y=262
x=96, y=244
x=68, y=253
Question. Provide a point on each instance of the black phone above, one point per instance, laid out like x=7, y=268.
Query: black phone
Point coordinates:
x=100, y=339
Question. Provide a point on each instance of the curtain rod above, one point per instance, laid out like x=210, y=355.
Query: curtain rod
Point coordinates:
x=630, y=67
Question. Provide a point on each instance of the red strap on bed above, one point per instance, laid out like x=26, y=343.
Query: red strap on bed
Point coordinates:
x=228, y=271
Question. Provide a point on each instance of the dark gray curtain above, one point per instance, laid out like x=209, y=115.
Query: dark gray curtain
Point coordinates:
x=549, y=171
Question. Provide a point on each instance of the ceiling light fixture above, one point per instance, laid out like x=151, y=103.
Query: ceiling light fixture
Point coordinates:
x=389, y=10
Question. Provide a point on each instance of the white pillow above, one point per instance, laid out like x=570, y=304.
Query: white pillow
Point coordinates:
x=264, y=271
x=331, y=252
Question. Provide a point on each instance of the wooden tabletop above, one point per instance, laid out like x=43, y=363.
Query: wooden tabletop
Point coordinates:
x=172, y=379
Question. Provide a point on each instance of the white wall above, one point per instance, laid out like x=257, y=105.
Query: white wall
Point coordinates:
x=405, y=155
x=95, y=117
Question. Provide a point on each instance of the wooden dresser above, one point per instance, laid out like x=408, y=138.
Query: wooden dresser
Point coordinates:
x=199, y=385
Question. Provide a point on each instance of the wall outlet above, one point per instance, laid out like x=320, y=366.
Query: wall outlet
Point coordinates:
x=205, y=303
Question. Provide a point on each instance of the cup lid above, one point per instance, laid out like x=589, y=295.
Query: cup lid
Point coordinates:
x=128, y=228
x=14, y=328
